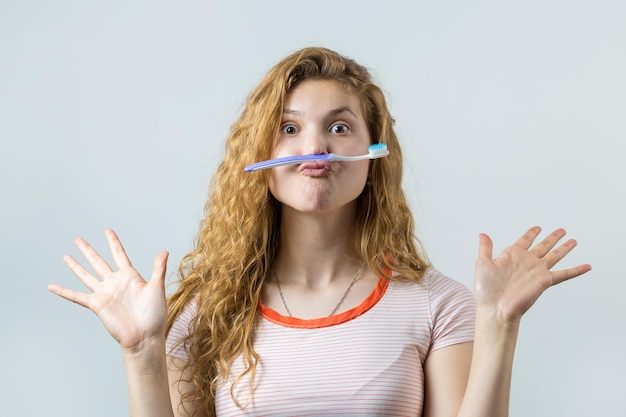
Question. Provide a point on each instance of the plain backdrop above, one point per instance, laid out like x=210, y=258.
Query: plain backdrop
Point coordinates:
x=113, y=114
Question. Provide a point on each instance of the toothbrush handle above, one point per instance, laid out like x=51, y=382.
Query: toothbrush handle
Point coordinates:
x=288, y=160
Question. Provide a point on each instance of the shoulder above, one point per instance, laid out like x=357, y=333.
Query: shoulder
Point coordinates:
x=452, y=310
x=440, y=285
x=433, y=284
x=445, y=293
x=435, y=294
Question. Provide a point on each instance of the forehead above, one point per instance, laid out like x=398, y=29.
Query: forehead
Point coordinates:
x=314, y=94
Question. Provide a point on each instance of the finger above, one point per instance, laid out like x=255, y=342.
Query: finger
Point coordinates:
x=159, y=268
x=117, y=250
x=95, y=260
x=528, y=238
x=565, y=274
x=546, y=245
x=485, y=247
x=85, y=277
x=559, y=253
x=71, y=295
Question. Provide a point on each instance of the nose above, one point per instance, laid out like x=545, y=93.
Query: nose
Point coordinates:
x=315, y=143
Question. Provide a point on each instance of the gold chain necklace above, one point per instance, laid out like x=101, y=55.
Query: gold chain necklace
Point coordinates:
x=355, y=278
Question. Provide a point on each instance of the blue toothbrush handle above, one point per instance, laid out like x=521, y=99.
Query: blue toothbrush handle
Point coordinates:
x=288, y=160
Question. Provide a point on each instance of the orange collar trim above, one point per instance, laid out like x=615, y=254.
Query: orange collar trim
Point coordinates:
x=348, y=315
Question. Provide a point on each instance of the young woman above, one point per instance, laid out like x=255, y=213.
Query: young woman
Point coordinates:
x=307, y=292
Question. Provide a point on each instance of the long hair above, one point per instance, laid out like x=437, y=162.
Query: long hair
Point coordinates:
x=238, y=238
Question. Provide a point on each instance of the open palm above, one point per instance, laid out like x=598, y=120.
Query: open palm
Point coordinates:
x=511, y=283
x=131, y=309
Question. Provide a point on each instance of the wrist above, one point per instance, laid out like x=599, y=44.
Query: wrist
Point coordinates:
x=495, y=336
x=147, y=352
x=494, y=320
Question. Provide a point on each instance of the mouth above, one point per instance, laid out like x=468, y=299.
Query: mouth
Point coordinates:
x=314, y=169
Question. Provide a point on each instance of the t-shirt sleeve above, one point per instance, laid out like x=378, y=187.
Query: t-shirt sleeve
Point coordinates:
x=453, y=311
x=179, y=330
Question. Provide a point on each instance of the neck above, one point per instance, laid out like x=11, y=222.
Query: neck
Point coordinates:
x=316, y=248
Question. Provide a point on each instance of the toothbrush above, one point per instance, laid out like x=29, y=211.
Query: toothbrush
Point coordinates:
x=377, y=150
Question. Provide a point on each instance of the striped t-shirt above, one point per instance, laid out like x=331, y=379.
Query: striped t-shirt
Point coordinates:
x=367, y=361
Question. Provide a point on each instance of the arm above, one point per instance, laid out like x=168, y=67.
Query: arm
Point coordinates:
x=445, y=375
x=179, y=385
x=147, y=379
x=146, y=373
x=134, y=313
x=505, y=288
x=489, y=384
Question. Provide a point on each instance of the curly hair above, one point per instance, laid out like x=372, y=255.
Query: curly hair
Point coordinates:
x=238, y=239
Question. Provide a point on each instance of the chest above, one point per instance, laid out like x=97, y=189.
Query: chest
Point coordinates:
x=371, y=365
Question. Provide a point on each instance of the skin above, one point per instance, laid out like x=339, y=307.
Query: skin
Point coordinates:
x=320, y=117
x=316, y=263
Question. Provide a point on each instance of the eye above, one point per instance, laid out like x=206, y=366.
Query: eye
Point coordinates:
x=290, y=129
x=339, y=128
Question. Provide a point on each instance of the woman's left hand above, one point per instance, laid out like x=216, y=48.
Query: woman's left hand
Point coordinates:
x=511, y=283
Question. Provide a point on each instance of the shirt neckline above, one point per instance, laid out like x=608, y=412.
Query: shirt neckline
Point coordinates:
x=294, y=322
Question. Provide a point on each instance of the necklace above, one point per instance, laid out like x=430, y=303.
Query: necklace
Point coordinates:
x=355, y=278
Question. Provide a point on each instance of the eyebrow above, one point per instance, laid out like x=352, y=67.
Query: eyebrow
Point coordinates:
x=333, y=112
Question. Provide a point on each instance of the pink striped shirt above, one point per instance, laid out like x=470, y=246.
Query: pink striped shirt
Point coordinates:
x=364, y=362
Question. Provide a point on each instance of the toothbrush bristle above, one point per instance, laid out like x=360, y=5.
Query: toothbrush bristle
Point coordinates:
x=378, y=150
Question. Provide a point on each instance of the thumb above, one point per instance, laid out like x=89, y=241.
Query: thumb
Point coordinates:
x=158, y=270
x=485, y=248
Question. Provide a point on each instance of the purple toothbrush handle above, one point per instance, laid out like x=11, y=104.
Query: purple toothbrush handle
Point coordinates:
x=288, y=160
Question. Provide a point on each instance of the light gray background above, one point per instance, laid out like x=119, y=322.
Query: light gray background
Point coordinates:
x=113, y=114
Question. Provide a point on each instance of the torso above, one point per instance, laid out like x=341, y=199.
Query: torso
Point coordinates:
x=364, y=361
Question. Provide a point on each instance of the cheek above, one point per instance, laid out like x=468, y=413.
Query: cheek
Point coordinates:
x=361, y=169
x=272, y=184
x=278, y=182
x=364, y=177
x=355, y=176
x=283, y=148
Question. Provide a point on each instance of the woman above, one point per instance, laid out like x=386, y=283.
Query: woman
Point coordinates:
x=307, y=292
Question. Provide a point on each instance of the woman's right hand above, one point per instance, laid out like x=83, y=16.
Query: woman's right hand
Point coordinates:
x=132, y=310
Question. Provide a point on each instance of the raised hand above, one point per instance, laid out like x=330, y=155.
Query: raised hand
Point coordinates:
x=511, y=283
x=131, y=309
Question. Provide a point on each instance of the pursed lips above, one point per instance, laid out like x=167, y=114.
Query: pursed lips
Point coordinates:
x=315, y=169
